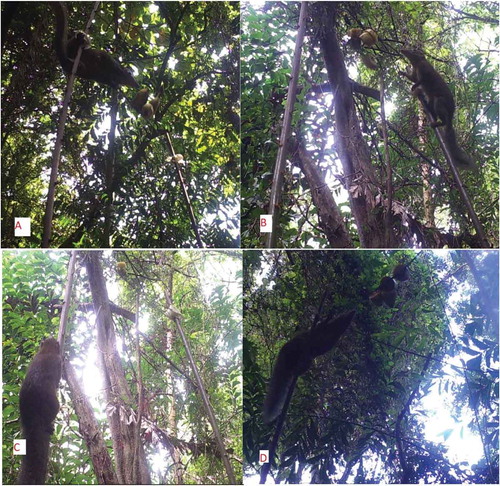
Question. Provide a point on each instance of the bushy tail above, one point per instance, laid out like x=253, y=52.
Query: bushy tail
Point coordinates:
x=61, y=38
x=34, y=463
x=281, y=380
x=459, y=158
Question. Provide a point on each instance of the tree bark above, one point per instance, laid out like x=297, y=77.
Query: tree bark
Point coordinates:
x=89, y=428
x=330, y=218
x=352, y=148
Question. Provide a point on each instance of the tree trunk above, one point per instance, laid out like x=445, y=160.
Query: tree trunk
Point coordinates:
x=352, y=149
x=89, y=428
x=119, y=399
x=329, y=216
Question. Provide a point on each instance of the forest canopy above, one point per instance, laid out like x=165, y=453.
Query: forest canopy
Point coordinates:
x=346, y=161
x=407, y=395
x=117, y=185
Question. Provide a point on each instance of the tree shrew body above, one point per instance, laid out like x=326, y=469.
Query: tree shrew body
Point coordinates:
x=440, y=102
x=296, y=357
x=38, y=406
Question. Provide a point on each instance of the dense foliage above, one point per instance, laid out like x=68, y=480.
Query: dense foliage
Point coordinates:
x=206, y=288
x=116, y=186
x=360, y=413
x=427, y=208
